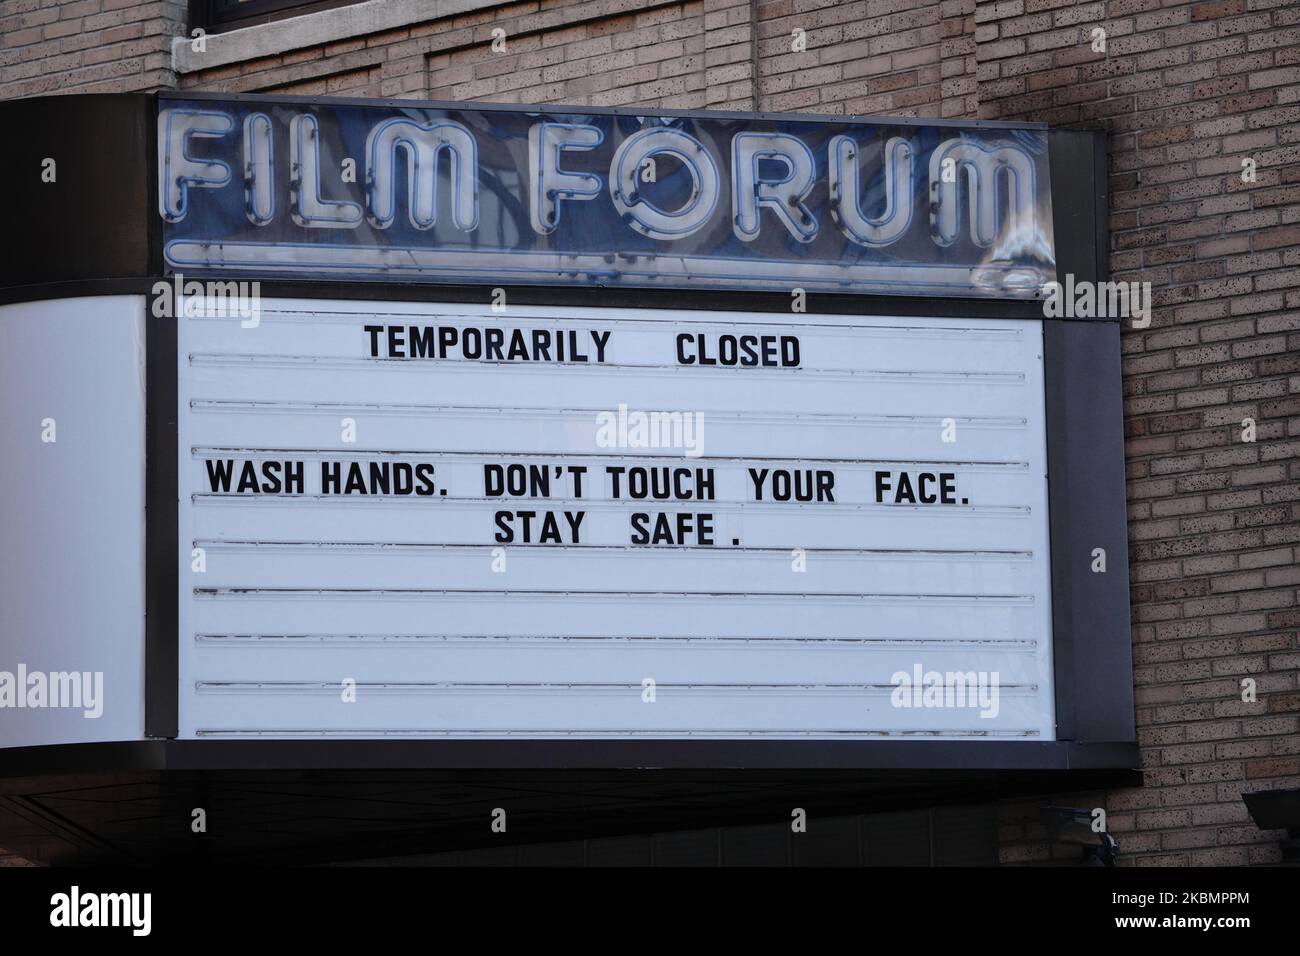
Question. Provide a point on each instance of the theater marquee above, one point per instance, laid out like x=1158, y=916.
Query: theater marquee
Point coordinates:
x=577, y=437
x=492, y=553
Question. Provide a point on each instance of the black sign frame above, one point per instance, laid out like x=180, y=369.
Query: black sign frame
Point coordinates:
x=108, y=191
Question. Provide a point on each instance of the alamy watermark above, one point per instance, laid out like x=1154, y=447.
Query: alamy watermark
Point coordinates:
x=187, y=299
x=77, y=909
x=1098, y=300
x=36, y=690
x=636, y=429
x=955, y=689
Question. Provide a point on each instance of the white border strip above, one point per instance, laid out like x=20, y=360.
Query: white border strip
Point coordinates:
x=639, y=270
x=313, y=29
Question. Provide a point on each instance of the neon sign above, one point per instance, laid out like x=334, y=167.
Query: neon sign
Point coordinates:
x=268, y=187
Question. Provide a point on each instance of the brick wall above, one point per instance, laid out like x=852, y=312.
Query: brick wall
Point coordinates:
x=86, y=46
x=872, y=57
x=1186, y=90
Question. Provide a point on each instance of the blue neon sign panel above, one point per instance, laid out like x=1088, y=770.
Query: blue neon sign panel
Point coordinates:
x=447, y=193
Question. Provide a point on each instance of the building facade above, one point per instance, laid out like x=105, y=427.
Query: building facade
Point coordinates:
x=1201, y=102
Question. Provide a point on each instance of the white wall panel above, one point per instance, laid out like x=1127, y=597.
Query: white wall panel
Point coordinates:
x=72, y=516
